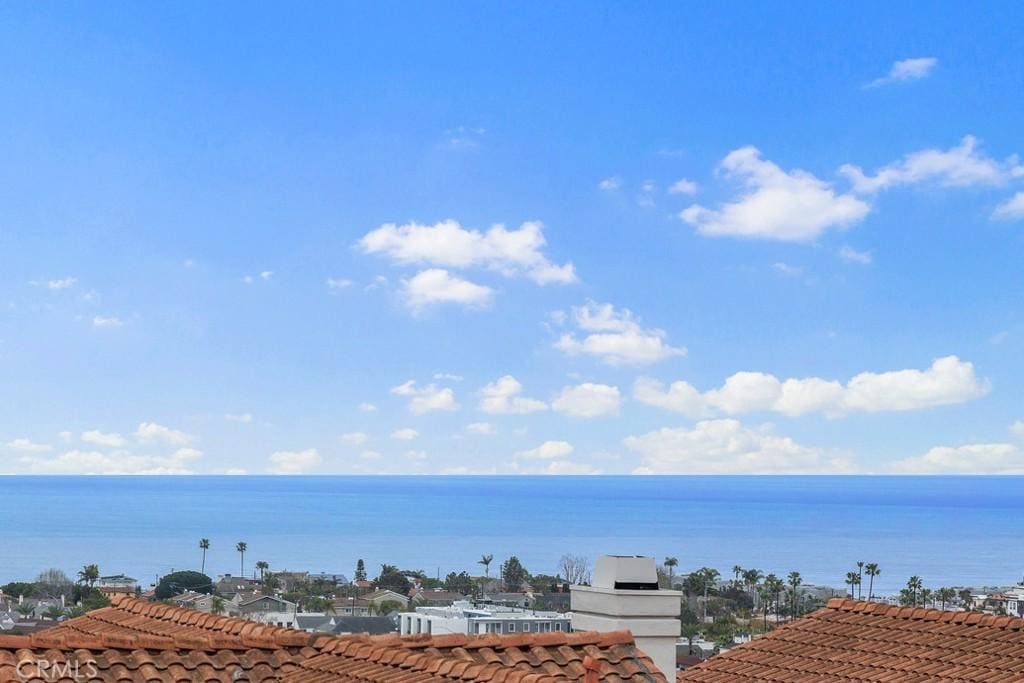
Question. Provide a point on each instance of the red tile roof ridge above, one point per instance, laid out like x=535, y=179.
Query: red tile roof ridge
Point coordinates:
x=340, y=644
x=925, y=614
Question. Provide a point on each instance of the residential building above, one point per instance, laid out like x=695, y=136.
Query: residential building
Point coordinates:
x=134, y=641
x=352, y=607
x=117, y=584
x=466, y=618
x=383, y=595
x=268, y=609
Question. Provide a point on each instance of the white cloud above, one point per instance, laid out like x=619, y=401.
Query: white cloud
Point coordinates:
x=727, y=447
x=1011, y=209
x=448, y=245
x=427, y=399
x=588, y=400
x=337, y=283
x=1017, y=429
x=62, y=283
x=947, y=381
x=482, y=428
x=615, y=337
x=960, y=166
x=787, y=270
x=981, y=458
x=906, y=70
x=851, y=255
x=683, y=186
x=111, y=440
x=367, y=408
x=244, y=418
x=354, y=438
x=106, y=321
x=549, y=450
x=502, y=397
x=447, y=376
x=791, y=206
x=266, y=275
x=405, y=434
x=294, y=462
x=438, y=286
x=612, y=183
x=28, y=446
x=148, y=432
x=118, y=462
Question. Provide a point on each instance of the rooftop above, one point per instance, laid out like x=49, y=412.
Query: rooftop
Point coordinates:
x=135, y=640
x=851, y=641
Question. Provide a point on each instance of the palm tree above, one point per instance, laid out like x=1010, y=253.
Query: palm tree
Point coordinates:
x=775, y=586
x=945, y=595
x=927, y=597
x=263, y=566
x=751, y=577
x=241, y=547
x=709, y=575
x=860, y=579
x=737, y=571
x=388, y=569
x=915, y=585
x=217, y=605
x=671, y=563
x=89, y=574
x=25, y=609
x=794, y=579
x=852, y=579
x=486, y=560
x=872, y=570
x=204, y=545
x=53, y=612
x=965, y=598
x=765, y=593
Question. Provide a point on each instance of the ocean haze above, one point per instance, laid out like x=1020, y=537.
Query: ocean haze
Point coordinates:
x=948, y=530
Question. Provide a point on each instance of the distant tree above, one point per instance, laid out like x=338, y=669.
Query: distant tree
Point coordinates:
x=263, y=566
x=545, y=583
x=430, y=583
x=860, y=579
x=751, y=577
x=708, y=575
x=388, y=606
x=360, y=574
x=317, y=604
x=794, y=580
x=88, y=598
x=737, y=572
x=671, y=563
x=241, y=547
x=775, y=587
x=965, y=598
x=53, y=612
x=915, y=585
x=53, y=583
x=393, y=580
x=852, y=580
x=945, y=595
x=204, y=545
x=460, y=583
x=270, y=585
x=513, y=574
x=575, y=569
x=25, y=609
x=18, y=589
x=88, y=574
x=927, y=597
x=486, y=560
x=388, y=569
x=764, y=592
x=872, y=570
x=218, y=605
x=178, y=582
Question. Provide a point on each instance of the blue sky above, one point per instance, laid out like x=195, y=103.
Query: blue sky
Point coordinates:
x=779, y=238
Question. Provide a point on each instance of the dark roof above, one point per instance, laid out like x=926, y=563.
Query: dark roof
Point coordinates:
x=856, y=642
x=374, y=626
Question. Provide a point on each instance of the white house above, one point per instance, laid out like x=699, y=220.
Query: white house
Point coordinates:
x=463, y=617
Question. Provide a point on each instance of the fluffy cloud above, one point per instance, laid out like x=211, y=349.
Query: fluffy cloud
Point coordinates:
x=447, y=244
x=727, y=447
x=851, y=255
x=28, y=446
x=118, y=462
x=111, y=440
x=612, y=183
x=906, y=70
x=427, y=399
x=960, y=166
x=947, y=381
x=149, y=432
x=294, y=462
x=683, y=186
x=482, y=428
x=1011, y=209
x=615, y=337
x=549, y=450
x=982, y=458
x=588, y=400
x=405, y=434
x=354, y=438
x=438, y=286
x=502, y=398
x=780, y=205
x=62, y=283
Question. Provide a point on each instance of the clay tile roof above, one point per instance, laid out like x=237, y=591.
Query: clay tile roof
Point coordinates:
x=133, y=640
x=858, y=642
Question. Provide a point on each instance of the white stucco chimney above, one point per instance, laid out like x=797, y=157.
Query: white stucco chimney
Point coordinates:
x=625, y=597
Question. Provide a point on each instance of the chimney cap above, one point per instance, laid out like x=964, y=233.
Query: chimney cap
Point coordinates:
x=626, y=572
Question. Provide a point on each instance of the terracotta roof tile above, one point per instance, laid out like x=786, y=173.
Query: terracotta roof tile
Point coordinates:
x=134, y=640
x=860, y=642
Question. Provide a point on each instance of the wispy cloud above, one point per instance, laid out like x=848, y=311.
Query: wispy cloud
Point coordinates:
x=905, y=70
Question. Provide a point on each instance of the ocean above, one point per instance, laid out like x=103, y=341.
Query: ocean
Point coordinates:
x=952, y=531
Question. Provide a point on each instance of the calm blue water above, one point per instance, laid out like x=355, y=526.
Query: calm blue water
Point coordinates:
x=949, y=530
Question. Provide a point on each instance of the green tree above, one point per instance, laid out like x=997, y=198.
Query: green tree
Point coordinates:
x=737, y=572
x=872, y=570
x=460, y=583
x=178, y=582
x=88, y=598
x=945, y=595
x=860, y=579
x=486, y=560
x=270, y=585
x=708, y=576
x=393, y=580
x=775, y=587
x=794, y=580
x=218, y=605
x=241, y=547
x=914, y=586
x=360, y=574
x=53, y=612
x=204, y=545
x=88, y=574
x=18, y=589
x=851, y=580
x=671, y=563
x=387, y=607
x=25, y=609
x=514, y=574
x=965, y=598
x=263, y=566
x=751, y=577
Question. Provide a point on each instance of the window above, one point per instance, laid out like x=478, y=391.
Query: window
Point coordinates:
x=511, y=627
x=558, y=626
